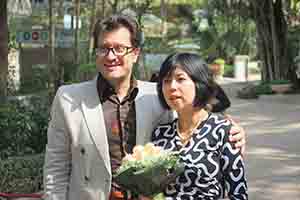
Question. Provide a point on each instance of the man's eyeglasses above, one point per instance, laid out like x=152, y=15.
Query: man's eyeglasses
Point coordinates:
x=117, y=50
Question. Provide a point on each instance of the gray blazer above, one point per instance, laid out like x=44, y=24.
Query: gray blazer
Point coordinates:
x=77, y=162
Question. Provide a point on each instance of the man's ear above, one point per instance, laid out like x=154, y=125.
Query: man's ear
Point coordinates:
x=136, y=53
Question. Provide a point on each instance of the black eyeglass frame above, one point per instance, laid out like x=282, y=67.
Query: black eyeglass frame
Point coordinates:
x=127, y=50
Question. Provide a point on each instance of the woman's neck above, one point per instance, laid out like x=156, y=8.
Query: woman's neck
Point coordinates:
x=189, y=121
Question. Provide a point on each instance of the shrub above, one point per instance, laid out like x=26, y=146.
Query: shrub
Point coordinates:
x=22, y=174
x=86, y=71
x=38, y=81
x=280, y=82
x=23, y=127
x=263, y=88
x=87, y=68
x=228, y=70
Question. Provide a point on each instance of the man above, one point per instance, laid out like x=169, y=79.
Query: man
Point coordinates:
x=93, y=124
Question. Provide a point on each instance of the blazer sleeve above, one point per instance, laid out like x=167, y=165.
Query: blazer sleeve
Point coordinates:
x=57, y=164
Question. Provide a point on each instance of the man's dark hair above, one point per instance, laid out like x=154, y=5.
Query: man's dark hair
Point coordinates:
x=196, y=68
x=115, y=22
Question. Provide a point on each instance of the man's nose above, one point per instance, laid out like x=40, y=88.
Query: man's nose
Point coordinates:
x=111, y=55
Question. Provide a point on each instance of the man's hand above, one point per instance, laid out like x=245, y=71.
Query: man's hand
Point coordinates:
x=237, y=135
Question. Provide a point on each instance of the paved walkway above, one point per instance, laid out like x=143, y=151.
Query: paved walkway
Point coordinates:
x=272, y=124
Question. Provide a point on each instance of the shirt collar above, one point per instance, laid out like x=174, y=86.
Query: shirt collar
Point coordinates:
x=105, y=90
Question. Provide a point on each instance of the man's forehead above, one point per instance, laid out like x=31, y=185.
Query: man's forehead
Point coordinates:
x=120, y=36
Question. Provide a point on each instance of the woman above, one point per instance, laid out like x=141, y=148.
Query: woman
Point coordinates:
x=185, y=85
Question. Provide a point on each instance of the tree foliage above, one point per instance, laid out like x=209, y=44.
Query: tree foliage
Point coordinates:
x=228, y=33
x=272, y=29
x=23, y=127
x=273, y=21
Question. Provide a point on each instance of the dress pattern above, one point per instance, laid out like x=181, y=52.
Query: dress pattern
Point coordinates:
x=212, y=164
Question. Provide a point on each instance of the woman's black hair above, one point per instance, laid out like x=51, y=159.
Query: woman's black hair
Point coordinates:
x=196, y=68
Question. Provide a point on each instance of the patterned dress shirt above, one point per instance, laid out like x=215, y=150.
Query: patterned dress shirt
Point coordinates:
x=120, y=122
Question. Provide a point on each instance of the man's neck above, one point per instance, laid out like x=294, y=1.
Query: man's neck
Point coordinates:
x=121, y=88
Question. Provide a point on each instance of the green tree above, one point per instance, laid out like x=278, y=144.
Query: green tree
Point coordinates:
x=163, y=16
x=91, y=30
x=76, y=43
x=3, y=49
x=229, y=29
x=52, y=68
x=272, y=29
x=272, y=24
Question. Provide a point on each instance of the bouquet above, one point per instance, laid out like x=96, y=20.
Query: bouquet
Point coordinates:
x=148, y=170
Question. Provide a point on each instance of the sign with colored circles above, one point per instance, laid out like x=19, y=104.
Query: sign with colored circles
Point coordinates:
x=62, y=37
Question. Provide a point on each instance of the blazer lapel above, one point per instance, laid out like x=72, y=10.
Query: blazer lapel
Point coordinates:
x=149, y=112
x=94, y=118
x=145, y=114
x=140, y=123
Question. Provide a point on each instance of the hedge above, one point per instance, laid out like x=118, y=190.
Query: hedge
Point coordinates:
x=22, y=174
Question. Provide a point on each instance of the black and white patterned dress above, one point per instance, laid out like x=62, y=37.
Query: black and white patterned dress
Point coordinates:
x=211, y=162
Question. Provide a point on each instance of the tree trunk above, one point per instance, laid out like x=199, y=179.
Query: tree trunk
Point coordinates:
x=103, y=8
x=91, y=30
x=76, y=42
x=272, y=32
x=275, y=44
x=60, y=67
x=140, y=10
x=163, y=16
x=77, y=15
x=114, y=5
x=282, y=31
x=51, y=53
x=3, y=49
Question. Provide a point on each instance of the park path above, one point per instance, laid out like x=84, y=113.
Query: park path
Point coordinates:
x=272, y=124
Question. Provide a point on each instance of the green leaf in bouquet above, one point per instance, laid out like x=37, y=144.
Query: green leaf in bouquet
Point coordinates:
x=159, y=196
x=151, y=175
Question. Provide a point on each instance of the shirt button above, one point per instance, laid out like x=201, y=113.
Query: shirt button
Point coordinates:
x=86, y=178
